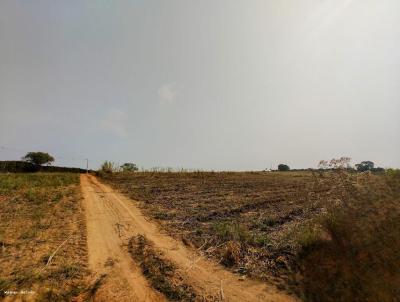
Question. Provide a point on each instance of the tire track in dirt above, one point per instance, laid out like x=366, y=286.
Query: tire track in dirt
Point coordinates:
x=105, y=209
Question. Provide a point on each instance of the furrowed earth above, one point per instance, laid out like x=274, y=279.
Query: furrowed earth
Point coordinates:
x=201, y=236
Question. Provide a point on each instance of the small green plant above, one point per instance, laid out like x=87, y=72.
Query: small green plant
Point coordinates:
x=270, y=220
x=261, y=240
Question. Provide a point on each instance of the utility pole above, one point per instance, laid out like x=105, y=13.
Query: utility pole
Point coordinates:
x=87, y=165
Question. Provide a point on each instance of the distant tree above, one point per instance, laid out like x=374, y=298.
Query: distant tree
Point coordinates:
x=335, y=163
x=108, y=167
x=129, y=167
x=283, y=167
x=38, y=158
x=323, y=164
x=365, y=166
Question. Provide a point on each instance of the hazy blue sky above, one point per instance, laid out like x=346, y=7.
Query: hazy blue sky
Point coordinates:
x=237, y=85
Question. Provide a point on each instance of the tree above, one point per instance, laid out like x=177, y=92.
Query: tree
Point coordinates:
x=283, y=167
x=365, y=166
x=108, y=167
x=38, y=158
x=335, y=163
x=129, y=167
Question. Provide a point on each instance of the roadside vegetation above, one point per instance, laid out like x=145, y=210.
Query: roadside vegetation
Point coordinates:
x=320, y=234
x=352, y=251
x=42, y=237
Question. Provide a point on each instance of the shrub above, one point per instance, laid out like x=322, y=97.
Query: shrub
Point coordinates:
x=365, y=166
x=283, y=167
x=108, y=167
x=351, y=253
x=129, y=167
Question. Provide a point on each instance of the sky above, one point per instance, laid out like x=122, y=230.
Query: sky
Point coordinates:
x=213, y=85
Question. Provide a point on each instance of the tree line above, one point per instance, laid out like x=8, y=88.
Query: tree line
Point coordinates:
x=35, y=161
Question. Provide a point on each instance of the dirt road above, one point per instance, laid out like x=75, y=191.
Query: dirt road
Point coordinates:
x=113, y=219
x=122, y=280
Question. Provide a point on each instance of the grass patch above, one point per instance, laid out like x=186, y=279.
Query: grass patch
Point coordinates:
x=230, y=231
x=270, y=221
x=38, y=211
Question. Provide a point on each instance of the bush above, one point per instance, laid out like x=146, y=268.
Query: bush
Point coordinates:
x=108, y=167
x=351, y=254
x=365, y=166
x=283, y=167
x=129, y=167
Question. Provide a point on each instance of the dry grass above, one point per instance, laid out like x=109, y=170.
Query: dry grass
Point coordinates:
x=39, y=213
x=352, y=252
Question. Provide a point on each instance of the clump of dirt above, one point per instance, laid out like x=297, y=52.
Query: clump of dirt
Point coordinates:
x=161, y=272
x=231, y=254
